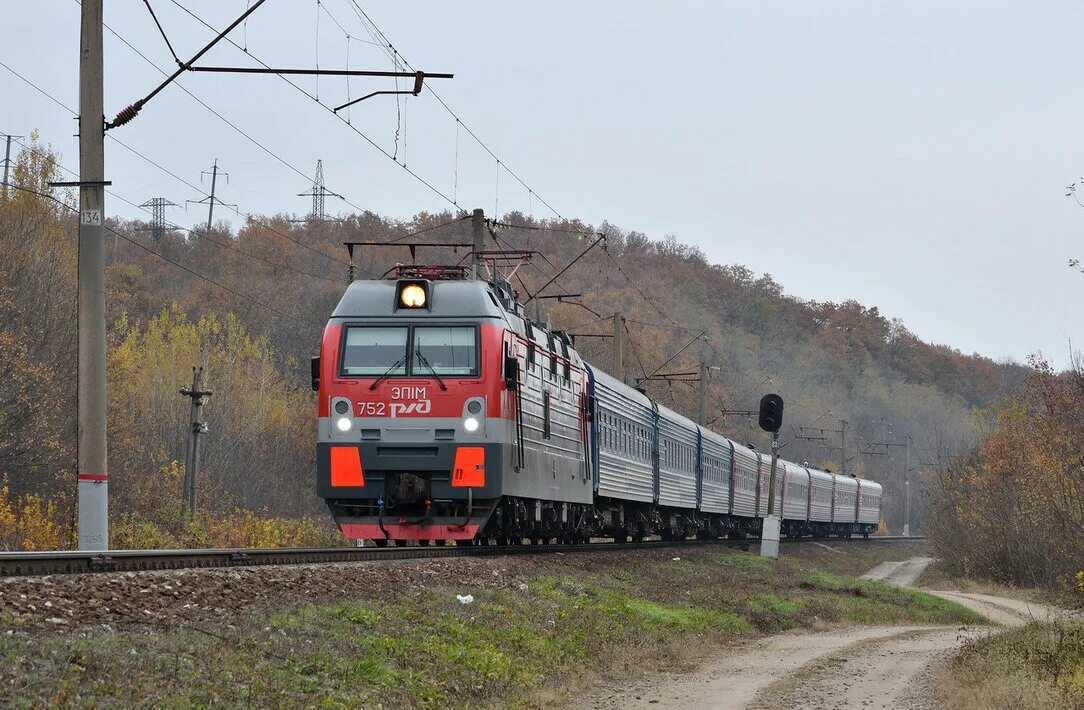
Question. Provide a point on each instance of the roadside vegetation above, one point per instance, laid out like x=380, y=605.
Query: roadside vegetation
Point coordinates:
x=1013, y=512
x=518, y=643
x=1036, y=666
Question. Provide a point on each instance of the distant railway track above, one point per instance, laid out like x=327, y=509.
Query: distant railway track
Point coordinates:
x=21, y=564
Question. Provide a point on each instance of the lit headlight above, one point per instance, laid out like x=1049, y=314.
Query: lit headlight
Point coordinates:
x=344, y=423
x=470, y=424
x=412, y=296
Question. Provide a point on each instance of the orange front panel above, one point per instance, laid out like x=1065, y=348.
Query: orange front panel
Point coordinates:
x=346, y=466
x=470, y=467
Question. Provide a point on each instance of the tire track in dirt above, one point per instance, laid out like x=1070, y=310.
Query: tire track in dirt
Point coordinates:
x=869, y=667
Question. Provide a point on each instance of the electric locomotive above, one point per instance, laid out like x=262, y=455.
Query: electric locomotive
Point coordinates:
x=445, y=413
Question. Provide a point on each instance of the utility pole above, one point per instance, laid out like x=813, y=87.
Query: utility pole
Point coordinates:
x=618, y=365
x=906, y=444
x=7, y=157
x=478, y=227
x=196, y=427
x=157, y=206
x=843, y=447
x=211, y=200
x=702, y=410
x=907, y=489
x=93, y=471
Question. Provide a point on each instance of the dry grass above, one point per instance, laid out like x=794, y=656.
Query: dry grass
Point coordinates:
x=939, y=576
x=414, y=645
x=1034, y=667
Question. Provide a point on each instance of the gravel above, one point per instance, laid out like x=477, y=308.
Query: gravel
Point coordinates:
x=64, y=603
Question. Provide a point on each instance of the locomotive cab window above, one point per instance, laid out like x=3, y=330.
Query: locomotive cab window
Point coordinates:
x=444, y=350
x=374, y=351
x=395, y=351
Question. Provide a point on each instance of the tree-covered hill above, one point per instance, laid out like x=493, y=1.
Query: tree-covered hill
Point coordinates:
x=250, y=305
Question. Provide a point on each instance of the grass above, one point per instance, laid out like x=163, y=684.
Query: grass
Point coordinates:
x=570, y=619
x=1030, y=667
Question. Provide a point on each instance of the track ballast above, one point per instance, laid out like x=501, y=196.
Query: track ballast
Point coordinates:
x=18, y=564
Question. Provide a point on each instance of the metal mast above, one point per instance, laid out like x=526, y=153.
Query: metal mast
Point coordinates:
x=157, y=206
x=318, y=192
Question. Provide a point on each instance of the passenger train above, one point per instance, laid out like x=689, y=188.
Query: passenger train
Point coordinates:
x=445, y=413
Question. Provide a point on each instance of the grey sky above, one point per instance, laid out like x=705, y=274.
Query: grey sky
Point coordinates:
x=910, y=156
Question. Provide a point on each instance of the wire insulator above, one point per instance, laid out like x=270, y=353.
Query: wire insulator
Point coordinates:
x=125, y=115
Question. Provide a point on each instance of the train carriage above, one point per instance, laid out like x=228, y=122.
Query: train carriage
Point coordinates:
x=845, y=510
x=745, y=482
x=624, y=426
x=678, y=450
x=795, y=506
x=869, y=504
x=716, y=454
x=822, y=490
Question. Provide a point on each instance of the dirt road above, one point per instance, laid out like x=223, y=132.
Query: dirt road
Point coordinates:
x=869, y=667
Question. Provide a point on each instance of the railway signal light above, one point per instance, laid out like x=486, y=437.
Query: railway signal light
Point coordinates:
x=771, y=412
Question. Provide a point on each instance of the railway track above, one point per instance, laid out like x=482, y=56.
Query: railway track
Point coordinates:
x=20, y=564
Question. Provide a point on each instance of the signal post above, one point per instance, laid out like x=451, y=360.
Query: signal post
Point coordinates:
x=771, y=419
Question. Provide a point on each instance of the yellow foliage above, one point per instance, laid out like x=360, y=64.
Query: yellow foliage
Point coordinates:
x=29, y=523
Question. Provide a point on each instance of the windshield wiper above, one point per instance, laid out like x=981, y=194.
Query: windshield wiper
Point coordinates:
x=377, y=381
x=425, y=361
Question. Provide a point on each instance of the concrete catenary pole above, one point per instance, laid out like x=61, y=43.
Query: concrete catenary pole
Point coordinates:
x=195, y=429
x=702, y=409
x=92, y=463
x=618, y=364
x=907, y=489
x=843, y=447
x=7, y=158
x=211, y=203
x=478, y=229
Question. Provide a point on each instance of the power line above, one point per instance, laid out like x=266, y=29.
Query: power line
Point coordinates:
x=638, y=289
x=329, y=109
x=364, y=17
x=163, y=257
x=203, y=236
x=256, y=220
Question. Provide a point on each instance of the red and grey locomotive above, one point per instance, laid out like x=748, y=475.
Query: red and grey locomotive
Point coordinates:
x=445, y=413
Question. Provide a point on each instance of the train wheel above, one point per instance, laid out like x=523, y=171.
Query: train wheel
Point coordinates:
x=638, y=538
x=380, y=542
x=400, y=543
x=423, y=543
x=440, y=543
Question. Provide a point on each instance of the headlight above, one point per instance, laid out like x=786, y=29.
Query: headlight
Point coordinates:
x=470, y=424
x=412, y=296
x=344, y=424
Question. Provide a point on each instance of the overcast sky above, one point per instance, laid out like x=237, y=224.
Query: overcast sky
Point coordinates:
x=911, y=157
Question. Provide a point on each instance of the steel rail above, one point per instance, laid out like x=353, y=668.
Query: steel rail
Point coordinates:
x=21, y=564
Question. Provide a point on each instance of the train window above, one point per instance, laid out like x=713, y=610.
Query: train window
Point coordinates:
x=374, y=351
x=444, y=350
x=552, y=353
x=545, y=415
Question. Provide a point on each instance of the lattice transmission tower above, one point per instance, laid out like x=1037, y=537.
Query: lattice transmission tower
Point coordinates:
x=157, y=206
x=318, y=192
